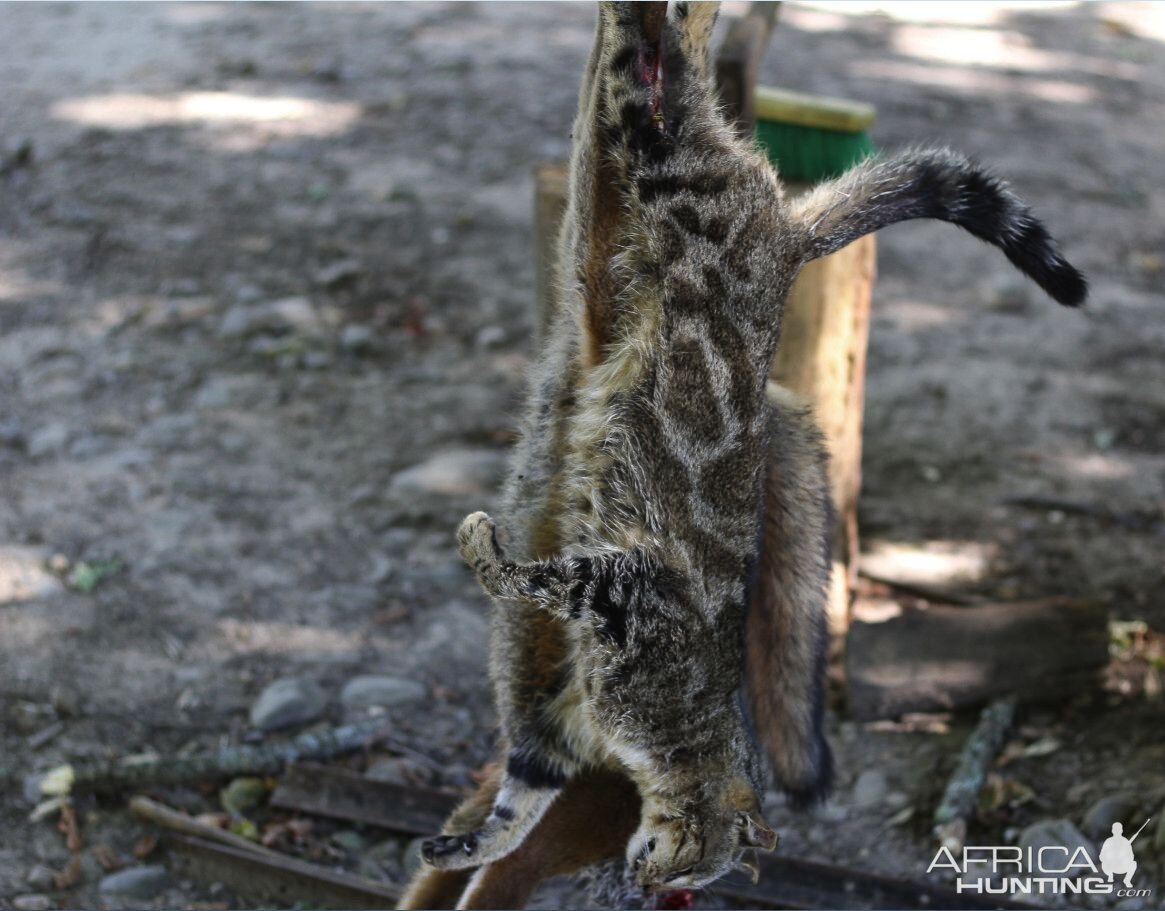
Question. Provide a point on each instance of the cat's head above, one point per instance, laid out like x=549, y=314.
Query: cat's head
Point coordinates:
x=691, y=846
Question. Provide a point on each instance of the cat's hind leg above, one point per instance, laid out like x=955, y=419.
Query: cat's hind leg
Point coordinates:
x=531, y=784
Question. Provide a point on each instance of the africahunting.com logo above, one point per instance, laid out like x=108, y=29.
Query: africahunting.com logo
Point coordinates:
x=1046, y=870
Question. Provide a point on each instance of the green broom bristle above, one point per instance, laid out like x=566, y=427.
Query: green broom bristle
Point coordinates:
x=809, y=154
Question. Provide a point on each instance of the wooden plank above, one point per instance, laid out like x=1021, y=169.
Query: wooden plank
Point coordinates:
x=787, y=882
x=944, y=658
x=285, y=881
x=341, y=794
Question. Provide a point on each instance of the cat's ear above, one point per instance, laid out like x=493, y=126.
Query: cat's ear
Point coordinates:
x=755, y=832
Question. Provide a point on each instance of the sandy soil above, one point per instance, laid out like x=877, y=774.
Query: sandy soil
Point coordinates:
x=201, y=492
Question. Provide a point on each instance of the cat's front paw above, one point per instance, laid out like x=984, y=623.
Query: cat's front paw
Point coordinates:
x=450, y=852
x=478, y=542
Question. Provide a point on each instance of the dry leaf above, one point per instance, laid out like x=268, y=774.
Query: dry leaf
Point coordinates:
x=107, y=857
x=1041, y=747
x=1117, y=27
x=67, y=826
x=145, y=846
x=1000, y=792
x=69, y=876
x=300, y=828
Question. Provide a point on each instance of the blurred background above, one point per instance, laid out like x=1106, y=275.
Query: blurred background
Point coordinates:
x=266, y=299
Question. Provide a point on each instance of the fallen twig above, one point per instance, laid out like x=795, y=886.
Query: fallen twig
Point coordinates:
x=163, y=816
x=979, y=752
x=136, y=772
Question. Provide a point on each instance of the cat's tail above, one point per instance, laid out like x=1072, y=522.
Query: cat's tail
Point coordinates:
x=936, y=183
x=785, y=625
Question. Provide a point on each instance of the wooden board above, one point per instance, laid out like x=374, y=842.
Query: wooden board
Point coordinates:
x=943, y=658
x=340, y=794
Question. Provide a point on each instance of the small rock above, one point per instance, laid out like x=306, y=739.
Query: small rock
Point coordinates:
x=347, y=840
x=399, y=770
x=11, y=434
x=870, y=789
x=17, y=154
x=458, y=774
x=383, y=860
x=1010, y=295
x=42, y=877
x=287, y=702
x=236, y=322
x=136, y=882
x=896, y=800
x=23, y=575
x=338, y=273
x=30, y=788
x=356, y=338
x=32, y=902
x=66, y=700
x=243, y=794
x=831, y=811
x=370, y=690
x=1101, y=815
x=288, y=314
x=47, y=440
x=1054, y=832
x=317, y=360
x=489, y=337
x=455, y=471
x=412, y=857
x=215, y=393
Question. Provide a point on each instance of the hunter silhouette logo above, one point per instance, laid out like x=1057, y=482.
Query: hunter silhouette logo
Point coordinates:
x=1046, y=869
x=1116, y=854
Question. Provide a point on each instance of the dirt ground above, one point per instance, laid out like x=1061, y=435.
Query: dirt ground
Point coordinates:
x=258, y=262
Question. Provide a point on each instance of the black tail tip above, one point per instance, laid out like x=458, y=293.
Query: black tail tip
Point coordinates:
x=804, y=795
x=1067, y=286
